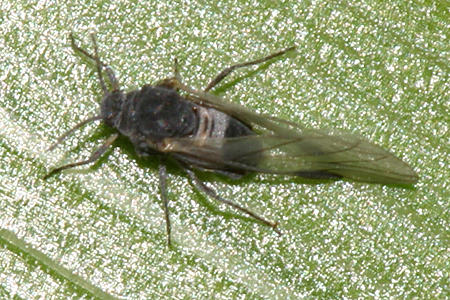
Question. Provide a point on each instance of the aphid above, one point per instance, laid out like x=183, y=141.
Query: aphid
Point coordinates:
x=201, y=131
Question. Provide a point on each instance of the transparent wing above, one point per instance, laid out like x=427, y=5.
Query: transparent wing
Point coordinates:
x=310, y=152
x=259, y=122
x=287, y=148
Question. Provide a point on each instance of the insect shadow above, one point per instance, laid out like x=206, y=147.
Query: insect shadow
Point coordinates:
x=201, y=131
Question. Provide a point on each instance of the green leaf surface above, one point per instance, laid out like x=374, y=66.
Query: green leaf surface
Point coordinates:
x=376, y=69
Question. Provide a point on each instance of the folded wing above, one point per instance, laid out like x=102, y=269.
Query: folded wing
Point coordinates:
x=284, y=147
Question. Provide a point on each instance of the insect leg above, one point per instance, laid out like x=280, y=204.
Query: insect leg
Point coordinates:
x=230, y=69
x=172, y=82
x=94, y=156
x=111, y=76
x=72, y=130
x=211, y=193
x=176, y=70
x=163, y=188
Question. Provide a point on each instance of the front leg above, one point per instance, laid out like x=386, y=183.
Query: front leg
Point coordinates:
x=94, y=156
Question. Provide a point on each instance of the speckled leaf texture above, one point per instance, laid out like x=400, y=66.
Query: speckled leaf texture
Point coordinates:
x=375, y=69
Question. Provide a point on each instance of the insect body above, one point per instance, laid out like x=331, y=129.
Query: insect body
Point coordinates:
x=202, y=131
x=153, y=115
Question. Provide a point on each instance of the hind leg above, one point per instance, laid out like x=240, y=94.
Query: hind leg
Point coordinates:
x=230, y=69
